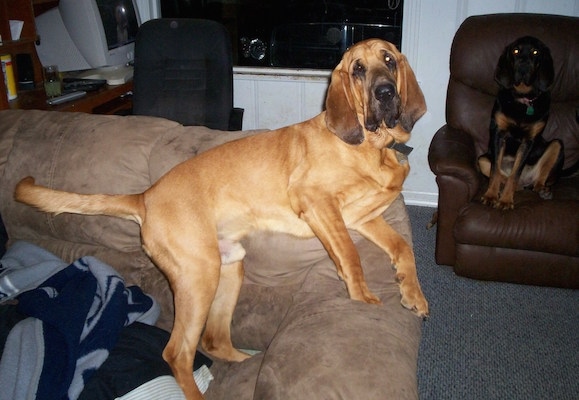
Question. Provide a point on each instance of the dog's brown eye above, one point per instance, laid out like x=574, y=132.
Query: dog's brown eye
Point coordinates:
x=390, y=61
x=535, y=52
x=515, y=51
x=359, y=69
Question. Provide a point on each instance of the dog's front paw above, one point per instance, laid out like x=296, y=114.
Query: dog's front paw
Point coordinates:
x=504, y=204
x=412, y=296
x=368, y=297
x=359, y=291
x=372, y=299
x=488, y=200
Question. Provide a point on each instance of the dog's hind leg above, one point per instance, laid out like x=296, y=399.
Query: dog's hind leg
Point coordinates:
x=546, y=169
x=194, y=285
x=216, y=339
x=485, y=166
x=192, y=266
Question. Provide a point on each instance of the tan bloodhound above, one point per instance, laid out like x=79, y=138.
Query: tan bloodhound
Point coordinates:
x=334, y=172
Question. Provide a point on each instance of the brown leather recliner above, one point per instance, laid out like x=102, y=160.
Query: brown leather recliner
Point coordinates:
x=537, y=242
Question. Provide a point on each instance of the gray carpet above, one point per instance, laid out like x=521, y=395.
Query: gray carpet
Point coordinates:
x=489, y=340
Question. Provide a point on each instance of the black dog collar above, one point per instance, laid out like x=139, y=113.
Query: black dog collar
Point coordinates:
x=400, y=147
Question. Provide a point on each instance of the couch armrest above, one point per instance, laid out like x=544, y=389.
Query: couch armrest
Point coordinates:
x=452, y=158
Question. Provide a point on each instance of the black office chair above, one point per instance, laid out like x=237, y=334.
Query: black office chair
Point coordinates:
x=184, y=72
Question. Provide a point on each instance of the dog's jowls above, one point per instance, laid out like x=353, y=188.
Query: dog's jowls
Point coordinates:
x=321, y=177
x=518, y=156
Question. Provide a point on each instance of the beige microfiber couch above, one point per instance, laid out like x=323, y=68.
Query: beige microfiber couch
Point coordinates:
x=313, y=341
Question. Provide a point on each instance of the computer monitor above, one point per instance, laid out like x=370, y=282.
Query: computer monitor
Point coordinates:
x=88, y=34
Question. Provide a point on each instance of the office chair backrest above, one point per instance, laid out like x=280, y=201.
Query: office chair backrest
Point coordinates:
x=184, y=72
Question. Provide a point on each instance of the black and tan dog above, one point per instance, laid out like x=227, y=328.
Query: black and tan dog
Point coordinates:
x=335, y=171
x=518, y=156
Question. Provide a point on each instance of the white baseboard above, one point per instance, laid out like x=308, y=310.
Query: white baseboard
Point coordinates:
x=422, y=199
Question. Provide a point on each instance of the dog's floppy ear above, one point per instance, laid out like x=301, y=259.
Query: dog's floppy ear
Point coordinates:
x=546, y=71
x=341, y=117
x=504, y=73
x=413, y=105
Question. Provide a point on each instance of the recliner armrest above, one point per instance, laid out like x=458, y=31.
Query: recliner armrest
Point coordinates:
x=452, y=153
x=452, y=158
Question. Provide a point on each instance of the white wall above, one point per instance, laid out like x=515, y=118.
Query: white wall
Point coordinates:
x=148, y=9
x=272, y=100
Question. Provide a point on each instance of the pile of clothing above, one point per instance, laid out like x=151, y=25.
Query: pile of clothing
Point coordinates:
x=77, y=332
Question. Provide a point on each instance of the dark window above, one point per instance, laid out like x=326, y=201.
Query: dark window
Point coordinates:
x=295, y=33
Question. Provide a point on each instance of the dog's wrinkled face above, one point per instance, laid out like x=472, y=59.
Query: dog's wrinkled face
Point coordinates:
x=525, y=65
x=373, y=94
x=375, y=80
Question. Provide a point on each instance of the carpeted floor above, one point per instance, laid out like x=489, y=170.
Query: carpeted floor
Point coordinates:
x=489, y=340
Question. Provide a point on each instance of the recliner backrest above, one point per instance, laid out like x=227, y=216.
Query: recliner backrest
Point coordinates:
x=475, y=51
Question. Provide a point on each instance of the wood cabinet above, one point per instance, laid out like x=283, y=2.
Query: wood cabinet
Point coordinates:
x=108, y=100
x=21, y=10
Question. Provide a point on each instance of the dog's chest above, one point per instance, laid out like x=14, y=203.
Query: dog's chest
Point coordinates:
x=525, y=110
x=516, y=129
x=266, y=217
x=373, y=191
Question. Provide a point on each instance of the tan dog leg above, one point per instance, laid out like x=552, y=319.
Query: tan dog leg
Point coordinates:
x=544, y=168
x=400, y=252
x=491, y=196
x=329, y=227
x=349, y=269
x=484, y=164
x=217, y=336
x=192, y=264
x=506, y=201
x=193, y=298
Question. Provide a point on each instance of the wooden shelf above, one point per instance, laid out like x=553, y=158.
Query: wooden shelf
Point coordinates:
x=20, y=10
x=108, y=100
x=41, y=6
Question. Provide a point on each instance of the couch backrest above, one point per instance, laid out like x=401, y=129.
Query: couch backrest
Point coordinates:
x=475, y=51
x=90, y=154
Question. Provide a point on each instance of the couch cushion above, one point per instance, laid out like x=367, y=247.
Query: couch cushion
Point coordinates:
x=380, y=364
x=279, y=267
x=73, y=151
x=544, y=226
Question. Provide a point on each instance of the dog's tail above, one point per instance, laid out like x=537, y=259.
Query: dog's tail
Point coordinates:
x=129, y=206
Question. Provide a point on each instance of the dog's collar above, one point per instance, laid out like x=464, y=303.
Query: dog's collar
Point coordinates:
x=400, y=147
x=529, y=103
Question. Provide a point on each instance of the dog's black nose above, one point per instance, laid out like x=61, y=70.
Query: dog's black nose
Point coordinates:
x=385, y=92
